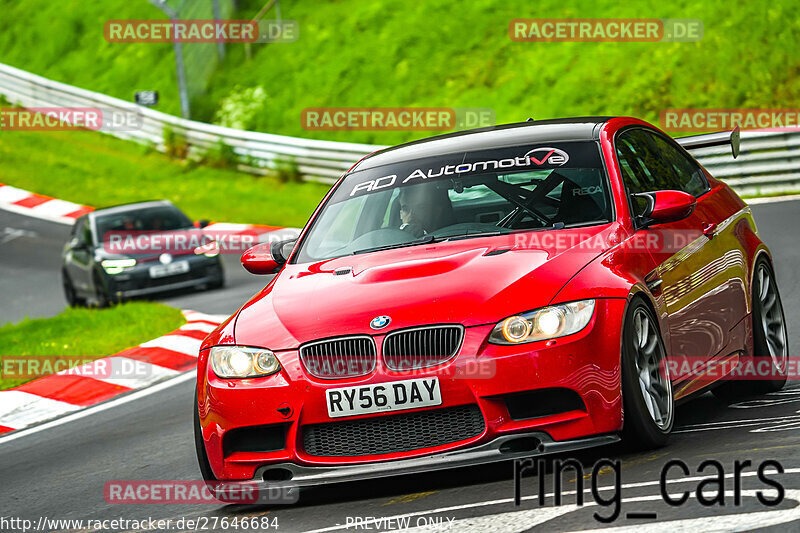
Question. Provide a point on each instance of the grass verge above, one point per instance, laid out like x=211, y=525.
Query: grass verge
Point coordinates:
x=92, y=333
x=99, y=170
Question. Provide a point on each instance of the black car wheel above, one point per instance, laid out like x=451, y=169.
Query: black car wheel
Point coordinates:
x=69, y=291
x=770, y=346
x=648, y=403
x=101, y=296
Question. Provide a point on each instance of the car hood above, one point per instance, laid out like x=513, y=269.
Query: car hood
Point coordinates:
x=471, y=282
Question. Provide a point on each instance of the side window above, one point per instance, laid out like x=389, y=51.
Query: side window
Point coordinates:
x=643, y=169
x=690, y=178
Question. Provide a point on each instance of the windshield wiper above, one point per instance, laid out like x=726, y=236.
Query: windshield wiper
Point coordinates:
x=425, y=239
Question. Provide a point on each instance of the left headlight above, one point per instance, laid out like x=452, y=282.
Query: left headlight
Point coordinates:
x=115, y=266
x=242, y=362
x=545, y=323
x=210, y=249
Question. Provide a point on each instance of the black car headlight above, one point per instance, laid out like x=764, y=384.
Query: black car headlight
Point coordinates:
x=242, y=361
x=545, y=323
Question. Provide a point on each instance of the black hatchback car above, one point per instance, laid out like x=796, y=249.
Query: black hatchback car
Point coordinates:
x=135, y=250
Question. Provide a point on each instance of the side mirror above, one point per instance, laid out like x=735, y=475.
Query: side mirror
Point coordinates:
x=281, y=250
x=259, y=259
x=77, y=244
x=202, y=223
x=665, y=206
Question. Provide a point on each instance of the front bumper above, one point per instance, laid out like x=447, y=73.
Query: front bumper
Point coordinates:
x=136, y=281
x=586, y=364
x=505, y=448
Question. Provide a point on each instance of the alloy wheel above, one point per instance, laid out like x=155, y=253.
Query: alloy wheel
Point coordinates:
x=653, y=373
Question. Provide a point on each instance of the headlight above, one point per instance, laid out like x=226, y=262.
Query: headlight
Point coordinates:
x=545, y=323
x=210, y=249
x=242, y=362
x=115, y=266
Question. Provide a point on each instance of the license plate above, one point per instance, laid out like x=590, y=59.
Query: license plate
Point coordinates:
x=381, y=397
x=170, y=269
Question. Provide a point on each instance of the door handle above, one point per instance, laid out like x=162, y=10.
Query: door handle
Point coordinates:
x=710, y=230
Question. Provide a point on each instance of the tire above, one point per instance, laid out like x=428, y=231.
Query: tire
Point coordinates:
x=200, y=447
x=69, y=291
x=769, y=339
x=100, y=291
x=648, y=402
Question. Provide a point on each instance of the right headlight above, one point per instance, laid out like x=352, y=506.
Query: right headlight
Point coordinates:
x=545, y=323
x=242, y=361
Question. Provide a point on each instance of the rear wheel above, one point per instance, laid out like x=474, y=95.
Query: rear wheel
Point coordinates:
x=770, y=346
x=649, y=407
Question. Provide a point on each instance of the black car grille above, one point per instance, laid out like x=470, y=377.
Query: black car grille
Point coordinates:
x=393, y=433
x=410, y=349
x=339, y=358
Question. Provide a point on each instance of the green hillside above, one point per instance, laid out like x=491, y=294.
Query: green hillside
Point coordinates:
x=439, y=53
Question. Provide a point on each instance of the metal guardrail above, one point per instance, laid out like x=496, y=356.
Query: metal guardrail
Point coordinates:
x=768, y=162
x=256, y=152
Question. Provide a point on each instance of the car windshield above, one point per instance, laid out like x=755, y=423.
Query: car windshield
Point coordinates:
x=161, y=218
x=461, y=196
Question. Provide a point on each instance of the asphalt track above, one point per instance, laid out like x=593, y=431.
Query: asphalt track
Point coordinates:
x=59, y=472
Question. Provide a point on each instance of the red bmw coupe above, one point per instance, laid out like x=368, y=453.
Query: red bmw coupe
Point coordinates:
x=488, y=295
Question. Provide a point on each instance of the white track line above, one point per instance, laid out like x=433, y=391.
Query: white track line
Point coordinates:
x=198, y=326
x=9, y=194
x=132, y=373
x=56, y=208
x=19, y=409
x=187, y=376
x=176, y=343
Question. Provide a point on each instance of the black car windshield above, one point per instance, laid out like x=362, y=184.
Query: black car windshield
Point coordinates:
x=160, y=218
x=461, y=196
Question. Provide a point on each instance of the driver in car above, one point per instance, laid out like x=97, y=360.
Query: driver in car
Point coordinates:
x=410, y=217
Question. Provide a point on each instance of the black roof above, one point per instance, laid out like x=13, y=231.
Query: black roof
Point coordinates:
x=134, y=206
x=531, y=132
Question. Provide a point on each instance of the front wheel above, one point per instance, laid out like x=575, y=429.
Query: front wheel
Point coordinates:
x=648, y=403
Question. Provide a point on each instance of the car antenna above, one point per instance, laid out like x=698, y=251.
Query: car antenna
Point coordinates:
x=530, y=119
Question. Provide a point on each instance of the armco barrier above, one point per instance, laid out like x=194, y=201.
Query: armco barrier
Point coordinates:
x=257, y=152
x=768, y=163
